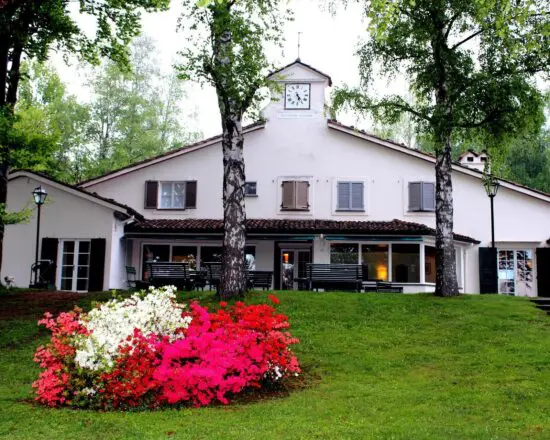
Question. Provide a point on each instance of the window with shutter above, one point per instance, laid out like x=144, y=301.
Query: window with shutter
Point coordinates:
x=172, y=195
x=421, y=196
x=350, y=196
x=295, y=195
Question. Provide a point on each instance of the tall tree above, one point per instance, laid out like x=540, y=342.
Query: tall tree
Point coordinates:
x=30, y=28
x=471, y=67
x=228, y=51
x=46, y=111
x=137, y=113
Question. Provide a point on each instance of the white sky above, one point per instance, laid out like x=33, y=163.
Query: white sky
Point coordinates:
x=328, y=43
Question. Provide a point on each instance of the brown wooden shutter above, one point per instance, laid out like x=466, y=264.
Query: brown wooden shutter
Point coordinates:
x=49, y=252
x=190, y=194
x=488, y=270
x=302, y=195
x=288, y=195
x=151, y=194
x=97, y=264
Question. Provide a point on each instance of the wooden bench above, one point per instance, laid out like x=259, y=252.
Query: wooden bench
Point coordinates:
x=260, y=279
x=164, y=274
x=381, y=287
x=334, y=276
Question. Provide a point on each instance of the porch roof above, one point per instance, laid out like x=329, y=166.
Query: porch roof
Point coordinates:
x=289, y=226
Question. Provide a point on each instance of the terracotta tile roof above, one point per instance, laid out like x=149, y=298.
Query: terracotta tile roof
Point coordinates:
x=295, y=226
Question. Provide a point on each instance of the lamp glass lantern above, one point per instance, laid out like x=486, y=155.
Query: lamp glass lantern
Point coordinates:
x=39, y=195
x=491, y=186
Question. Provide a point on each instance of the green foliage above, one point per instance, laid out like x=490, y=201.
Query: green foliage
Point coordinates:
x=135, y=114
x=12, y=218
x=470, y=65
x=375, y=367
x=132, y=115
x=226, y=48
x=528, y=161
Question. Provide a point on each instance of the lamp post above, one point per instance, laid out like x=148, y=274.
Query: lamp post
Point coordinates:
x=491, y=185
x=39, y=194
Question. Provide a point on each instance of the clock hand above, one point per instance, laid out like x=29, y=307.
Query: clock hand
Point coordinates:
x=298, y=96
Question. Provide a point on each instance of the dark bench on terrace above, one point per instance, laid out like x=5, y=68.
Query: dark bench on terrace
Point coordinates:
x=163, y=274
x=334, y=276
x=259, y=279
x=256, y=279
x=381, y=287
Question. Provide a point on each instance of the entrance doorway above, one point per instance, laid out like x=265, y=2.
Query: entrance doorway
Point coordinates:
x=515, y=272
x=293, y=261
x=75, y=265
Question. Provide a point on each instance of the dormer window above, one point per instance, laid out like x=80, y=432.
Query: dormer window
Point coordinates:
x=483, y=159
x=470, y=159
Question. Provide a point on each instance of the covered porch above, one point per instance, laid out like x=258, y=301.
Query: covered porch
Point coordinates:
x=402, y=253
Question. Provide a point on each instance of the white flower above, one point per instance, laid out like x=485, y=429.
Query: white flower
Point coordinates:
x=112, y=323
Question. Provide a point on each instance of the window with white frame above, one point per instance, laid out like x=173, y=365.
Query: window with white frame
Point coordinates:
x=350, y=196
x=421, y=197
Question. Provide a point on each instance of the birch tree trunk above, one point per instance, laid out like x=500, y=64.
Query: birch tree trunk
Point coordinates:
x=233, y=276
x=446, y=283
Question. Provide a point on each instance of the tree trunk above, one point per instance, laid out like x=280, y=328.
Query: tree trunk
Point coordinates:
x=233, y=276
x=446, y=283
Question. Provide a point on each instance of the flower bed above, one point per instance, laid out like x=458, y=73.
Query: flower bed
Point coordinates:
x=148, y=350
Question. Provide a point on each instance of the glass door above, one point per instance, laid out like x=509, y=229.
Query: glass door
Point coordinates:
x=293, y=267
x=75, y=265
x=515, y=272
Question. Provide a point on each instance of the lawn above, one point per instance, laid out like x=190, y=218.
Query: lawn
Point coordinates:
x=376, y=366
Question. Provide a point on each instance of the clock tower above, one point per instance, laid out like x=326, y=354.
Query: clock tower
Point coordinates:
x=301, y=94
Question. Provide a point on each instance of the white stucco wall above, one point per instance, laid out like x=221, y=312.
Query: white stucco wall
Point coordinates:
x=64, y=216
x=299, y=144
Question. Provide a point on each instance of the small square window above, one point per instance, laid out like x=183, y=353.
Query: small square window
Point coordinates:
x=251, y=189
x=484, y=159
x=470, y=159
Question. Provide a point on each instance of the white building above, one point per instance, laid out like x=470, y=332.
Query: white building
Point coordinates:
x=317, y=191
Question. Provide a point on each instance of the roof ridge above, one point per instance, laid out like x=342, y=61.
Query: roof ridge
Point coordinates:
x=168, y=153
x=423, y=153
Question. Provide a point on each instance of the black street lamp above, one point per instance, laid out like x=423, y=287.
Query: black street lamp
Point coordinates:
x=491, y=185
x=39, y=194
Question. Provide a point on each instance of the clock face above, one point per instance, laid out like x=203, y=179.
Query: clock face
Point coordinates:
x=297, y=96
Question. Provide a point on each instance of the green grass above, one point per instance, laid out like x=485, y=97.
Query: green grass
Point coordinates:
x=378, y=366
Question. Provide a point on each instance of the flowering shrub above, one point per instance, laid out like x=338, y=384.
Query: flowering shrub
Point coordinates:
x=148, y=350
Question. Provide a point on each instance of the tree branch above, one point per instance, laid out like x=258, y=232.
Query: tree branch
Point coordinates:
x=475, y=34
x=450, y=24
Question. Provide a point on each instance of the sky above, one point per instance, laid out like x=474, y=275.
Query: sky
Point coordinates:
x=328, y=43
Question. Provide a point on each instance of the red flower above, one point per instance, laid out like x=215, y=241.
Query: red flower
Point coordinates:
x=273, y=299
x=223, y=304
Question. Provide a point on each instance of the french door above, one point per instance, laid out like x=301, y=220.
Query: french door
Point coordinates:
x=515, y=272
x=75, y=265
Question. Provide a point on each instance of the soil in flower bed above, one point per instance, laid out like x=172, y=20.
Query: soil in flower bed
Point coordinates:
x=34, y=304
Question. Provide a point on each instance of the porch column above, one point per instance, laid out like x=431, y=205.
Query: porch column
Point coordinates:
x=422, y=263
